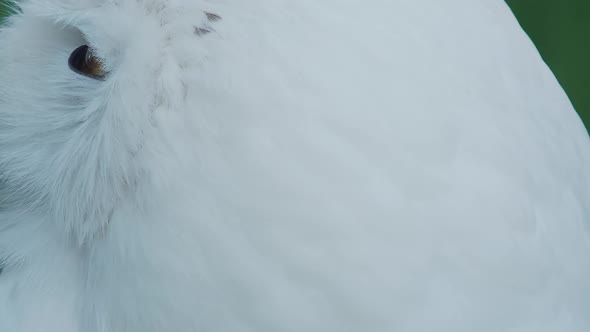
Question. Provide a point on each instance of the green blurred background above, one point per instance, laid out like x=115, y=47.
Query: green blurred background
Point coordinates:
x=3, y=10
x=561, y=31
x=3, y=7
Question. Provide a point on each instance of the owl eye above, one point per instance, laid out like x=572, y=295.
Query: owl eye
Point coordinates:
x=83, y=62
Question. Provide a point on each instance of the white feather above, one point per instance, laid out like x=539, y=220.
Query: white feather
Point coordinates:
x=306, y=165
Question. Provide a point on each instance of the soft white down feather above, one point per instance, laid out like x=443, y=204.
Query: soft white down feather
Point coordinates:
x=295, y=166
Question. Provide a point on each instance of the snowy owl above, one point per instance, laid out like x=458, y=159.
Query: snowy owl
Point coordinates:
x=287, y=166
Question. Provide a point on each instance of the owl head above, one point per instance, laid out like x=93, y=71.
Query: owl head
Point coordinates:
x=86, y=87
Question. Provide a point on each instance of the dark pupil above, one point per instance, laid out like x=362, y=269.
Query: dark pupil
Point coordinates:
x=79, y=62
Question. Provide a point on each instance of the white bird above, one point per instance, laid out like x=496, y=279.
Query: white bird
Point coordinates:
x=287, y=166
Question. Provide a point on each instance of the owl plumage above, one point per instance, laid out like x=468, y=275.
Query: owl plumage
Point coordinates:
x=287, y=165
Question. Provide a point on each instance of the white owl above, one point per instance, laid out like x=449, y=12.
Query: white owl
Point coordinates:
x=287, y=166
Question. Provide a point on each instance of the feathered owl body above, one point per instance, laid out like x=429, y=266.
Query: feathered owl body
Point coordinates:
x=288, y=166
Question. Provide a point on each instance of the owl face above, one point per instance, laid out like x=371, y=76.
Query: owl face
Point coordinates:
x=86, y=86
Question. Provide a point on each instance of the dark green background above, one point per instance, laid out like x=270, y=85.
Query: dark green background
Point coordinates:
x=3, y=8
x=561, y=31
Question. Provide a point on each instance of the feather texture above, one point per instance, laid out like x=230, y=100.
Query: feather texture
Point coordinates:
x=303, y=165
